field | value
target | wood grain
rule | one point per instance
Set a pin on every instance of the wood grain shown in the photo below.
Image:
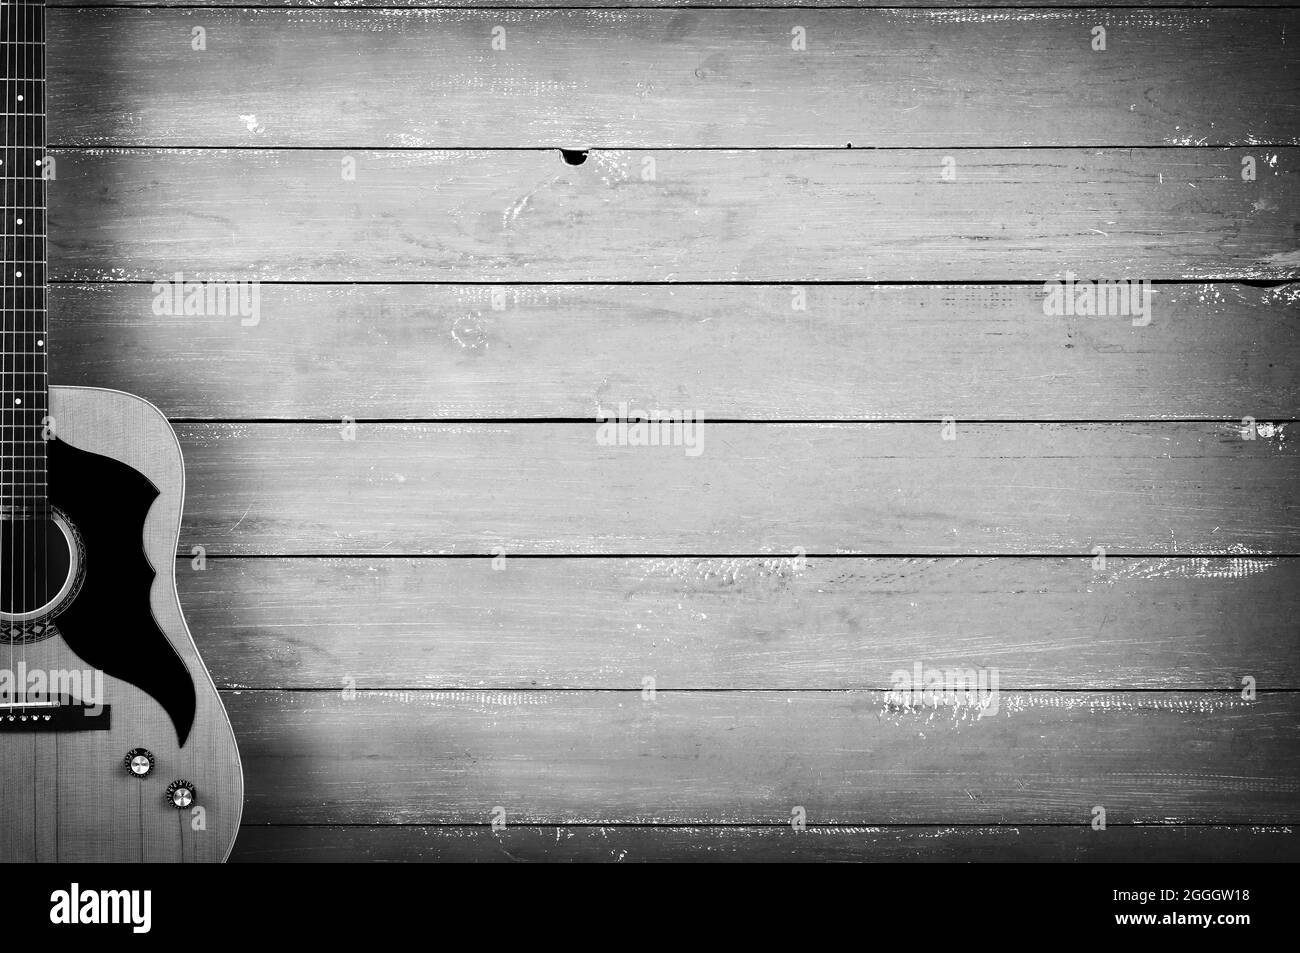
(855, 352)
(627, 844)
(672, 78)
(401, 489)
(528, 216)
(1167, 623)
(751, 757)
(667, 4)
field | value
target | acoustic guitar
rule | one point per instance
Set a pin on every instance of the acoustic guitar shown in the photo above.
(114, 745)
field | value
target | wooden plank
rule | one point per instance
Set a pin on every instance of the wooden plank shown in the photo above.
(671, 79)
(627, 844)
(752, 757)
(794, 5)
(1167, 623)
(403, 489)
(849, 215)
(739, 351)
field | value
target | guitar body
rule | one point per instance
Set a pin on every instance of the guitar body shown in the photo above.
(68, 792)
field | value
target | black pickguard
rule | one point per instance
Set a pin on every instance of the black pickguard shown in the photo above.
(110, 624)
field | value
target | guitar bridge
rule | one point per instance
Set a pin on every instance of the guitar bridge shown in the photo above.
(53, 716)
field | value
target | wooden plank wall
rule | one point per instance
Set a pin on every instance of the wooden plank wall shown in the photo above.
(433, 598)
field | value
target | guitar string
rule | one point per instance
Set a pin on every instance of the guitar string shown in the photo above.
(28, 383)
(11, 34)
(4, 355)
(32, 33)
(25, 282)
(41, 334)
(41, 350)
(32, 446)
(22, 279)
(28, 133)
(21, 195)
(22, 191)
(9, 322)
(16, 170)
(23, 399)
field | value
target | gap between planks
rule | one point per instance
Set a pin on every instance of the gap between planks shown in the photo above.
(631, 843)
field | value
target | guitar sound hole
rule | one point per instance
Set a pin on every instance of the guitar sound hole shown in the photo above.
(40, 566)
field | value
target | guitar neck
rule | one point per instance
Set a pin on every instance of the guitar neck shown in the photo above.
(24, 389)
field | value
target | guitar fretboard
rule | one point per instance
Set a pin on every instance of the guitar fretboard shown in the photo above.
(24, 392)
